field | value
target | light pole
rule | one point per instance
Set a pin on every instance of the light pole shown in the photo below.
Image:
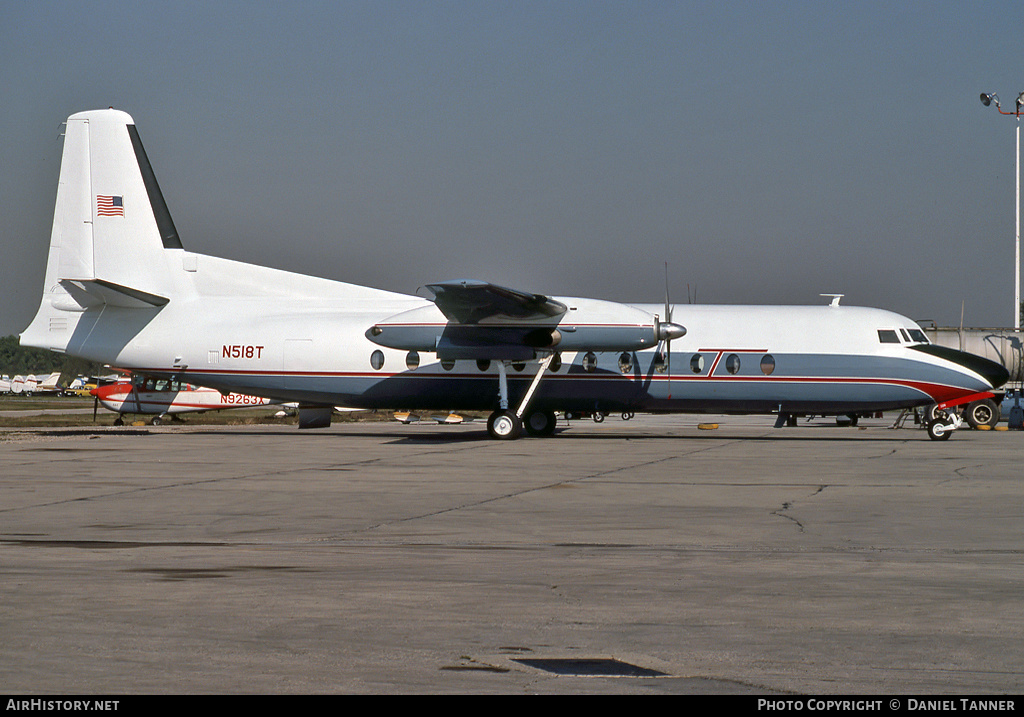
(988, 98)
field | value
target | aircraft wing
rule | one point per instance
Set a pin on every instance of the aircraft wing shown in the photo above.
(484, 321)
(470, 302)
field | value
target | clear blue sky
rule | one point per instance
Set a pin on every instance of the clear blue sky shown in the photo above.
(768, 151)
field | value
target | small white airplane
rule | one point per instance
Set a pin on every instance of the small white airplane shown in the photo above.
(120, 289)
(36, 385)
(161, 397)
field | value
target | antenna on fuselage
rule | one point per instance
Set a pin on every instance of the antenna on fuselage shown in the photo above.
(835, 298)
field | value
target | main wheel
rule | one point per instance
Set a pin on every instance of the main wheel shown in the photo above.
(939, 431)
(504, 425)
(540, 423)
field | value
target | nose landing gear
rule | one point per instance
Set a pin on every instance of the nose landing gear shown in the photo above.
(941, 424)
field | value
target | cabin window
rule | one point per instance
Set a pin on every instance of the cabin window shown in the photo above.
(377, 360)
(412, 360)
(696, 363)
(768, 364)
(732, 364)
(659, 363)
(483, 364)
(589, 362)
(447, 364)
(625, 362)
(888, 336)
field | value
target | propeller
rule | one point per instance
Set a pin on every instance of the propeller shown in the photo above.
(95, 407)
(666, 331)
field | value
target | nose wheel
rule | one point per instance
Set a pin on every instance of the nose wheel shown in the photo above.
(941, 425)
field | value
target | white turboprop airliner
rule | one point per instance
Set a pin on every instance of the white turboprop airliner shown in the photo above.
(121, 290)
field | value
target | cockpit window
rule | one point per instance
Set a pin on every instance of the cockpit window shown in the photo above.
(888, 336)
(906, 336)
(918, 335)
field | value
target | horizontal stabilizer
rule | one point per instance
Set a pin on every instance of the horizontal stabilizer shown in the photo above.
(470, 302)
(93, 292)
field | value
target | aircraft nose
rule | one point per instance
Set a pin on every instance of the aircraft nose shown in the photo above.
(105, 391)
(994, 373)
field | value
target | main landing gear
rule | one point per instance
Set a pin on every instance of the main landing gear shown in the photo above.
(508, 425)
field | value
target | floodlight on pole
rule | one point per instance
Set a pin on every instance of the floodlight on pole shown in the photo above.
(987, 98)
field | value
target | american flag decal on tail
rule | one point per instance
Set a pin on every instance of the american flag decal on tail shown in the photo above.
(109, 206)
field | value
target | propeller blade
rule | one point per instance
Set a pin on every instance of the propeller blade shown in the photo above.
(668, 309)
(95, 407)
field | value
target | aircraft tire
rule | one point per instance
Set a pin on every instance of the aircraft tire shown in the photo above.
(155, 421)
(935, 433)
(983, 413)
(504, 426)
(540, 424)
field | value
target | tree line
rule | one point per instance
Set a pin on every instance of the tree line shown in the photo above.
(18, 360)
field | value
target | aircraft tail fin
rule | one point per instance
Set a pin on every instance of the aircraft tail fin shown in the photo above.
(111, 227)
(110, 216)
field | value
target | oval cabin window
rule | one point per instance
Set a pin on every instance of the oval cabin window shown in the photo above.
(732, 364)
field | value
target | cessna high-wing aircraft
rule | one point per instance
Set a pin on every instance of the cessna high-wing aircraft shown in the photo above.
(161, 397)
(122, 290)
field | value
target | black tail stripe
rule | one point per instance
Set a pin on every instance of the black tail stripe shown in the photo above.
(164, 224)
